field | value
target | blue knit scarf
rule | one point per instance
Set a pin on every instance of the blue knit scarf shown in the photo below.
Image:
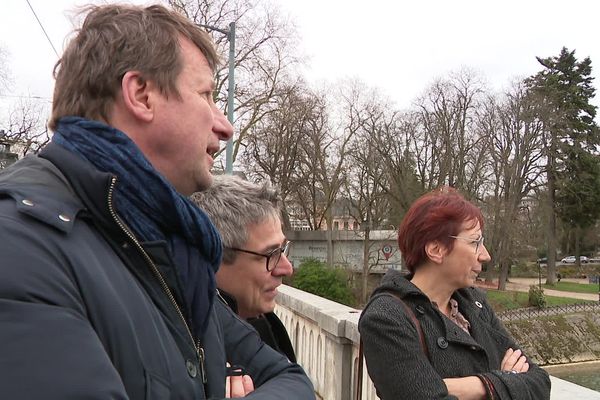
(152, 209)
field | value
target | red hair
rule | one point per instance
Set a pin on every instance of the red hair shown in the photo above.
(435, 216)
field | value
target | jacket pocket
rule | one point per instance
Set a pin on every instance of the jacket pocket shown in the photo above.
(157, 388)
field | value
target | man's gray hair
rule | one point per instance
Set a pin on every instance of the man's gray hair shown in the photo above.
(234, 204)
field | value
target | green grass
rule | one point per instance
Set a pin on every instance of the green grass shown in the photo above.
(508, 300)
(574, 287)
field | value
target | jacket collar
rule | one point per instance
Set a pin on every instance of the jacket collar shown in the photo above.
(55, 186)
(92, 186)
(397, 281)
(229, 300)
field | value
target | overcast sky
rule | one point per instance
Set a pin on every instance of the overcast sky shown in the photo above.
(397, 46)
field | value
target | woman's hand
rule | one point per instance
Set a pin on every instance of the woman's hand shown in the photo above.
(514, 361)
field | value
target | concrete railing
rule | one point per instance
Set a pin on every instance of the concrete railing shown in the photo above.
(325, 336)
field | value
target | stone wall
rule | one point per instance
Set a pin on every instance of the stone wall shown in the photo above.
(559, 339)
(347, 248)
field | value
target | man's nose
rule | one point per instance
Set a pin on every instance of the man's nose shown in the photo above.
(221, 125)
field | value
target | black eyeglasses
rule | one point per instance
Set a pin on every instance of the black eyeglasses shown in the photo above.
(272, 256)
(477, 242)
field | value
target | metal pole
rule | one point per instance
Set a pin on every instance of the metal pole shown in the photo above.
(230, 93)
(231, 89)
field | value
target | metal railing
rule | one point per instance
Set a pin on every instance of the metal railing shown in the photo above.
(535, 312)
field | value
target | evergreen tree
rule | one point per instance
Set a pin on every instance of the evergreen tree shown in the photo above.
(562, 92)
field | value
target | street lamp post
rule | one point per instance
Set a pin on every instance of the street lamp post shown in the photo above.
(230, 33)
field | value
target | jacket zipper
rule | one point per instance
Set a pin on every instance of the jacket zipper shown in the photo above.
(157, 274)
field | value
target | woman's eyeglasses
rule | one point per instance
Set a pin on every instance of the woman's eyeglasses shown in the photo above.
(476, 242)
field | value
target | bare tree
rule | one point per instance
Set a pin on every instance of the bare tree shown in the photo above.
(273, 147)
(322, 171)
(23, 132)
(26, 129)
(366, 116)
(446, 147)
(515, 153)
(393, 144)
(313, 144)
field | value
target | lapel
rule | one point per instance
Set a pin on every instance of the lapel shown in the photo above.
(471, 310)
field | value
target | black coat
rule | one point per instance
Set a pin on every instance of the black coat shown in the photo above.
(399, 367)
(84, 308)
(269, 327)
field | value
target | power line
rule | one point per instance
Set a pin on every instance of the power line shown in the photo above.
(41, 26)
(14, 96)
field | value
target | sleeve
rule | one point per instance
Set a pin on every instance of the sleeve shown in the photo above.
(531, 385)
(274, 376)
(49, 348)
(395, 360)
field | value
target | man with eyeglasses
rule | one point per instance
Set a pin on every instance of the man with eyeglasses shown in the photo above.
(254, 253)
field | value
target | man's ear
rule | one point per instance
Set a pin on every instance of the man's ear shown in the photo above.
(435, 251)
(137, 95)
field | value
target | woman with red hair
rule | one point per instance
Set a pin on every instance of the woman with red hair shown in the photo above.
(432, 335)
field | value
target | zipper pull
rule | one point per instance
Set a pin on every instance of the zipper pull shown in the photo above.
(201, 363)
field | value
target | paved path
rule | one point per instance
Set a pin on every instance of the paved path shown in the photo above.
(522, 285)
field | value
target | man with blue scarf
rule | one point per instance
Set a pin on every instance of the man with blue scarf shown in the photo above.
(107, 286)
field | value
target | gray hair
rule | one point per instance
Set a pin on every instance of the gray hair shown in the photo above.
(234, 204)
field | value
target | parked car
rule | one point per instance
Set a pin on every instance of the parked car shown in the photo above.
(571, 260)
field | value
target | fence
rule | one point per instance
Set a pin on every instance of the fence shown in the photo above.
(534, 312)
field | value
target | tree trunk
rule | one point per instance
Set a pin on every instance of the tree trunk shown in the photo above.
(365, 272)
(551, 276)
(504, 266)
(577, 249)
(285, 219)
(329, 234)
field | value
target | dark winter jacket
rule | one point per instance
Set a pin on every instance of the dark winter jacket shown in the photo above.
(88, 312)
(399, 367)
(269, 327)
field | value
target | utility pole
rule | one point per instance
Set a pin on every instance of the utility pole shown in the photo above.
(230, 33)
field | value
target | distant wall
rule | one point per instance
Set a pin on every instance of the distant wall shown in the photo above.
(347, 248)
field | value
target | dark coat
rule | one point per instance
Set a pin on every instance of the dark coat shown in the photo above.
(269, 327)
(400, 369)
(85, 310)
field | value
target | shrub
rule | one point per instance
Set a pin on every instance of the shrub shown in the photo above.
(536, 297)
(316, 277)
